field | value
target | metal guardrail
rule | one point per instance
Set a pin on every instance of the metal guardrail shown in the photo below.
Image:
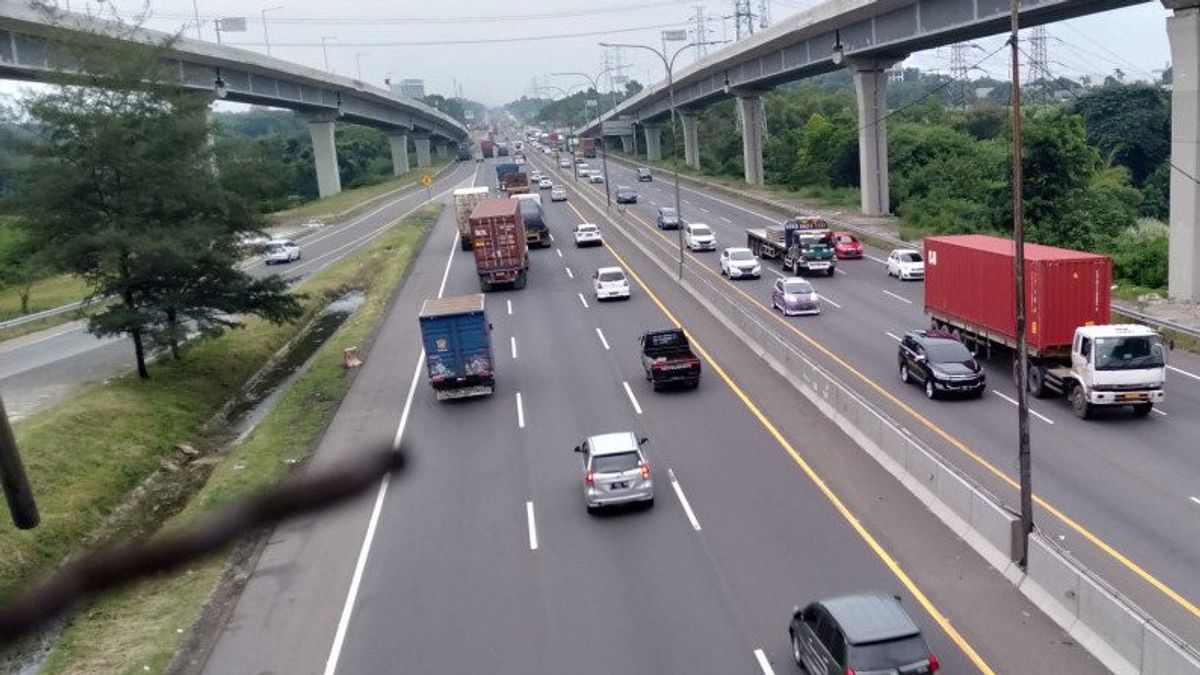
(28, 318)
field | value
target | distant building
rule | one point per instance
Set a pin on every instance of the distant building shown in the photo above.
(412, 88)
(895, 74)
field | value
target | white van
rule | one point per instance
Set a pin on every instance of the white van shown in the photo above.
(582, 170)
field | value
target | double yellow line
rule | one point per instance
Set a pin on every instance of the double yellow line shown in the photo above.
(838, 504)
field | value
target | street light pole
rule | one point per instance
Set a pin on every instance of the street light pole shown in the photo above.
(266, 36)
(603, 146)
(325, 49)
(358, 62)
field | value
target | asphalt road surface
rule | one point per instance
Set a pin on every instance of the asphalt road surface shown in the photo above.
(40, 368)
(1121, 493)
(482, 558)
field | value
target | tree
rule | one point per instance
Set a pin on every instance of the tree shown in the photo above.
(121, 189)
(1129, 123)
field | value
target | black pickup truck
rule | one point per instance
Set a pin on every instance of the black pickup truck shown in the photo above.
(668, 359)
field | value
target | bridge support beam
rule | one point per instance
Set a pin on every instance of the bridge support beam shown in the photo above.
(690, 122)
(422, 143)
(440, 149)
(1183, 264)
(870, 84)
(398, 141)
(753, 123)
(320, 127)
(629, 144)
(653, 142)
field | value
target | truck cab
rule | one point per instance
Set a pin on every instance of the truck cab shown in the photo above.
(1112, 365)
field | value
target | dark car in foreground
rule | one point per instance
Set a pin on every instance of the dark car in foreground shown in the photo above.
(668, 218)
(941, 363)
(862, 633)
(626, 195)
(644, 175)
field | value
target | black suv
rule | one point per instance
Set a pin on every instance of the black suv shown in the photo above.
(859, 633)
(668, 218)
(941, 363)
(643, 175)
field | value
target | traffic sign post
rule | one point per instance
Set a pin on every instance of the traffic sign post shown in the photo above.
(427, 180)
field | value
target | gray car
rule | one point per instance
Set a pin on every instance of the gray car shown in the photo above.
(866, 633)
(615, 471)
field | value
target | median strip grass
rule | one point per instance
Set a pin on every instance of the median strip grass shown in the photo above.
(85, 456)
(345, 201)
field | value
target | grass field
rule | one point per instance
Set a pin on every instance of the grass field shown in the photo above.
(347, 199)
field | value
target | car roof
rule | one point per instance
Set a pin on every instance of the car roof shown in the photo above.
(587, 225)
(281, 241)
(906, 250)
(610, 269)
(737, 249)
(794, 280)
(928, 338)
(611, 444)
(698, 225)
(870, 617)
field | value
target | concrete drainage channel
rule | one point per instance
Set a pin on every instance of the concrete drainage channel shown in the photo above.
(1114, 630)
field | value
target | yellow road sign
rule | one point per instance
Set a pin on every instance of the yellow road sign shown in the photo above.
(426, 180)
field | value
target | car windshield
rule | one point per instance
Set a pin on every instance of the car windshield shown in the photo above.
(612, 276)
(741, 255)
(947, 351)
(911, 256)
(797, 287)
(701, 231)
(667, 214)
(274, 248)
(846, 239)
(888, 655)
(621, 461)
(586, 228)
(1127, 353)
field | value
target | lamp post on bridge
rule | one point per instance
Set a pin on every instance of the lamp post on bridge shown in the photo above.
(603, 146)
(266, 35)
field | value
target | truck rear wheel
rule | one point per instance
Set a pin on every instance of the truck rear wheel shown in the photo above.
(465, 243)
(1037, 381)
(1142, 409)
(484, 285)
(1079, 403)
(520, 281)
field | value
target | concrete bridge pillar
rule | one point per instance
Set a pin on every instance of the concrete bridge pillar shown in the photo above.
(653, 142)
(690, 122)
(398, 140)
(1183, 264)
(440, 149)
(870, 84)
(753, 124)
(422, 143)
(320, 127)
(629, 144)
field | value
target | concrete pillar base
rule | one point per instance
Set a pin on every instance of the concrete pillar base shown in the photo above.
(399, 146)
(753, 125)
(653, 143)
(691, 139)
(870, 85)
(1183, 264)
(321, 128)
(629, 144)
(422, 151)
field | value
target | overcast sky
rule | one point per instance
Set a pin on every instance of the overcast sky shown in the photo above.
(470, 43)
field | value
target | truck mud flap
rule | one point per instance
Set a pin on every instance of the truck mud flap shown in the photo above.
(464, 392)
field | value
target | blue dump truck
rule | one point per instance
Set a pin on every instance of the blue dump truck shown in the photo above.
(458, 346)
(503, 169)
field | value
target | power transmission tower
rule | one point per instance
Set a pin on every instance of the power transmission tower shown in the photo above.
(958, 71)
(764, 13)
(1039, 56)
(743, 18)
(701, 32)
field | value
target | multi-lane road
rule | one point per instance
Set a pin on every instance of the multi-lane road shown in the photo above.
(482, 558)
(1122, 494)
(43, 367)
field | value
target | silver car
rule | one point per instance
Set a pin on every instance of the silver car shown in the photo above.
(615, 471)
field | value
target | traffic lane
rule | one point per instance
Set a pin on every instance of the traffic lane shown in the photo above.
(944, 566)
(29, 389)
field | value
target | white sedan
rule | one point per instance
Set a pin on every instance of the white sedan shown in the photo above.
(738, 263)
(596, 177)
(587, 234)
(280, 251)
(610, 282)
(558, 194)
(699, 237)
(545, 184)
(906, 263)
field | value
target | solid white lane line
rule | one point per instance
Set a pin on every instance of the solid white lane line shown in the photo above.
(683, 501)
(583, 301)
(1184, 373)
(513, 340)
(569, 272)
(825, 298)
(1195, 499)
(532, 526)
(776, 272)
(1013, 401)
(509, 303)
(1159, 412)
(602, 340)
(901, 298)
(339, 636)
(763, 663)
(520, 412)
(894, 337)
(840, 270)
(632, 399)
(558, 251)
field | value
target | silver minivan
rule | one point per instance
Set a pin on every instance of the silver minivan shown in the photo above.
(615, 471)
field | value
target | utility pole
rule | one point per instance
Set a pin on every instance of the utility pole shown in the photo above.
(1022, 365)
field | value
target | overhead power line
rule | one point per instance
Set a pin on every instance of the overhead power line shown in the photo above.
(472, 41)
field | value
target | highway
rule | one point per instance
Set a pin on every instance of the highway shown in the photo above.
(482, 558)
(43, 367)
(1122, 494)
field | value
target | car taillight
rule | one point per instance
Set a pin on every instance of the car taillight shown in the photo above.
(590, 479)
(849, 671)
(933, 664)
(645, 470)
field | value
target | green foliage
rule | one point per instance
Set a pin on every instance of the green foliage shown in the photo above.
(826, 152)
(1129, 123)
(1156, 195)
(1139, 254)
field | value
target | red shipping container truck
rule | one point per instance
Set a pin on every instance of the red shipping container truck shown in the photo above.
(498, 237)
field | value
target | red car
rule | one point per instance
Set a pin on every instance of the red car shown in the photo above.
(846, 245)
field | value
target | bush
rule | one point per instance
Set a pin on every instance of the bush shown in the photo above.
(1139, 254)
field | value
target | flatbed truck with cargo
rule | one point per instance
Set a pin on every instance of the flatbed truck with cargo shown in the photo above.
(803, 245)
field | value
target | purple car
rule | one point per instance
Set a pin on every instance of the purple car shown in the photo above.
(795, 296)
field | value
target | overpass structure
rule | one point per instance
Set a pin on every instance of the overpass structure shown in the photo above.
(28, 52)
(868, 37)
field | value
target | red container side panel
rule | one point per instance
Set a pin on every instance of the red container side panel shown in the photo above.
(970, 279)
(498, 232)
